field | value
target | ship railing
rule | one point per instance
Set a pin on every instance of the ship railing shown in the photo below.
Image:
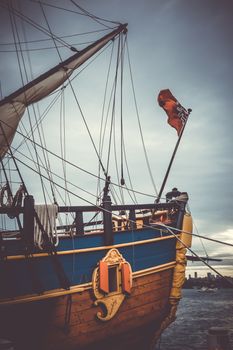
(131, 213)
(114, 217)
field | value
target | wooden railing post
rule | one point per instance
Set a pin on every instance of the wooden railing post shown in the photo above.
(132, 219)
(28, 221)
(79, 226)
(107, 219)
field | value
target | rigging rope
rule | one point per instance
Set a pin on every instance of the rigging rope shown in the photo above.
(200, 240)
(34, 24)
(63, 150)
(49, 47)
(10, 195)
(15, 163)
(54, 38)
(118, 66)
(50, 31)
(1, 95)
(113, 108)
(88, 130)
(37, 127)
(74, 165)
(62, 37)
(169, 229)
(95, 18)
(77, 100)
(147, 226)
(197, 256)
(62, 95)
(129, 190)
(41, 118)
(102, 132)
(139, 124)
(14, 28)
(121, 116)
(46, 178)
(204, 237)
(79, 13)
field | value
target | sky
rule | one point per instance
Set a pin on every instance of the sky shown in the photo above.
(183, 45)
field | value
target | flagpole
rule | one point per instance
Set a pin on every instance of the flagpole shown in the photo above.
(171, 161)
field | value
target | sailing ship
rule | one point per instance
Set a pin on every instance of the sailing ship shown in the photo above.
(102, 274)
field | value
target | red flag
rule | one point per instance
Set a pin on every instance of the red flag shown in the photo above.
(177, 114)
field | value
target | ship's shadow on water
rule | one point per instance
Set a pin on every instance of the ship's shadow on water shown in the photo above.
(197, 312)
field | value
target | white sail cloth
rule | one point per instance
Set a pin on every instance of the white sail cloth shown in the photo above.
(11, 112)
(13, 107)
(47, 215)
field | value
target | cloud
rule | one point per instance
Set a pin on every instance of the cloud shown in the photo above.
(215, 249)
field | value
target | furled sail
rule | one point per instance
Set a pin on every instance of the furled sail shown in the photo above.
(13, 107)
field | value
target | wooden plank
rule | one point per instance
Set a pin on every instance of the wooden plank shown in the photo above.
(148, 300)
(141, 280)
(146, 314)
(78, 289)
(153, 277)
(79, 316)
(129, 305)
(84, 301)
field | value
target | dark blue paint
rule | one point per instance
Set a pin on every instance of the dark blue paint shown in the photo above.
(17, 274)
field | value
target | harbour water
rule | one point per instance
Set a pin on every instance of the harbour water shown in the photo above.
(198, 311)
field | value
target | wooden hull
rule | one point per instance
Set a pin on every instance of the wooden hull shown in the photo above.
(70, 322)
(119, 296)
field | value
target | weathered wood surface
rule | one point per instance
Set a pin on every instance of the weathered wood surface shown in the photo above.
(70, 322)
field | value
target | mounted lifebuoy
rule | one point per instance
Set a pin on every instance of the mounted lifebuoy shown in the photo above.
(111, 281)
(115, 277)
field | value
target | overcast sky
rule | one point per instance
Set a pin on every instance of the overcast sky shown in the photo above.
(186, 46)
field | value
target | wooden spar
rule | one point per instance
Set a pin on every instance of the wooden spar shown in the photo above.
(107, 215)
(13, 106)
(171, 161)
(194, 258)
(96, 46)
(28, 221)
(107, 218)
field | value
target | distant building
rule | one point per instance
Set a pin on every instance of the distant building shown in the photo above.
(210, 276)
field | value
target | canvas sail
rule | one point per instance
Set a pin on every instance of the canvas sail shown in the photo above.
(13, 107)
